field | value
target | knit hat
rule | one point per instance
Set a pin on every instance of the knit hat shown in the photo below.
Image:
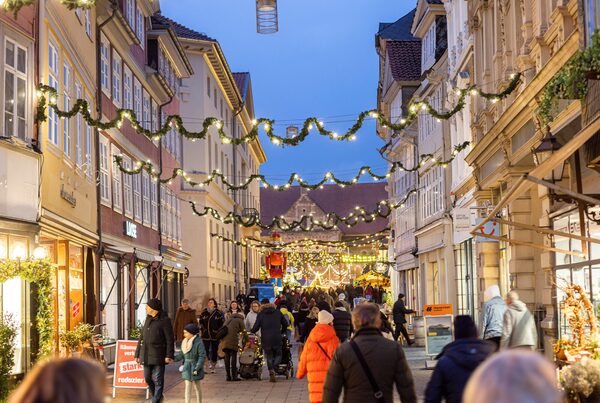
(191, 328)
(324, 318)
(155, 304)
(341, 297)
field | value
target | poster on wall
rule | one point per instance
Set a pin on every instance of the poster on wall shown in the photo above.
(438, 327)
(128, 373)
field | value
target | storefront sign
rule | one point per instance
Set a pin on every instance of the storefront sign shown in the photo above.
(489, 228)
(437, 310)
(128, 373)
(69, 197)
(463, 220)
(130, 229)
(75, 309)
(438, 333)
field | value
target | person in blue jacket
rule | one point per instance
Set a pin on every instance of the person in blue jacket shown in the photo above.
(492, 316)
(193, 355)
(457, 361)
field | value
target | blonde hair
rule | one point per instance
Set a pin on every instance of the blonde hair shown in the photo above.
(68, 380)
(514, 376)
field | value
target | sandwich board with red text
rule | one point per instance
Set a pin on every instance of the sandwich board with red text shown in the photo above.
(128, 373)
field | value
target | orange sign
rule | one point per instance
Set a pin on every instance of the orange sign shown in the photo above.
(437, 310)
(128, 373)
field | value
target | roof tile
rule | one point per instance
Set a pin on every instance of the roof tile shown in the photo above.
(181, 30)
(405, 60)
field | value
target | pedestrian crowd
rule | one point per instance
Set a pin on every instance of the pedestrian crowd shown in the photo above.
(344, 350)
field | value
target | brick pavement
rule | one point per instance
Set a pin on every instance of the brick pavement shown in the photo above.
(216, 390)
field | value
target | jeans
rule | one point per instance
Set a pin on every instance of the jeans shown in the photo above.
(188, 391)
(401, 329)
(154, 375)
(211, 347)
(273, 355)
(288, 333)
(231, 363)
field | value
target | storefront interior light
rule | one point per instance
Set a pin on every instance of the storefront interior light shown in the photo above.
(18, 251)
(2, 250)
(40, 253)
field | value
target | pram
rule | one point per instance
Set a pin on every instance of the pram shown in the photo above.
(251, 357)
(286, 367)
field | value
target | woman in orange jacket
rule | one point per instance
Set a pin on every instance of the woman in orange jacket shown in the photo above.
(316, 355)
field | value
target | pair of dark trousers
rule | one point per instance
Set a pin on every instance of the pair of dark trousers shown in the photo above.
(154, 375)
(496, 342)
(273, 355)
(211, 347)
(231, 363)
(401, 329)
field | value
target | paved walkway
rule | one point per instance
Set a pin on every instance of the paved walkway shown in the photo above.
(215, 389)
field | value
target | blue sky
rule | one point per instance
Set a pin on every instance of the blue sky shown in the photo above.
(321, 63)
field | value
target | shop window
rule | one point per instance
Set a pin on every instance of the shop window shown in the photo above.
(109, 296)
(141, 295)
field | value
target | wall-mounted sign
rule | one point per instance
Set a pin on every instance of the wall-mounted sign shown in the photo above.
(130, 229)
(69, 197)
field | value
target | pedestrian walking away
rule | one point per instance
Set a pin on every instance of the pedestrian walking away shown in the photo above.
(193, 355)
(155, 348)
(290, 319)
(457, 361)
(62, 381)
(399, 312)
(272, 325)
(368, 367)
(342, 321)
(518, 327)
(211, 320)
(342, 298)
(316, 355)
(514, 376)
(492, 315)
(311, 321)
(185, 315)
(231, 344)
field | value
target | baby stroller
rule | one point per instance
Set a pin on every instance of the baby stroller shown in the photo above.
(251, 357)
(286, 367)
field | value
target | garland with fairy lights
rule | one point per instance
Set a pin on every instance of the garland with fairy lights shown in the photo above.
(48, 96)
(395, 166)
(307, 223)
(252, 242)
(15, 6)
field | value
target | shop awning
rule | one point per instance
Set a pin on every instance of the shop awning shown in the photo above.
(526, 181)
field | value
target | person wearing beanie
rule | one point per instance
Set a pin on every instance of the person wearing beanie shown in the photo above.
(155, 347)
(193, 355)
(342, 299)
(316, 355)
(457, 361)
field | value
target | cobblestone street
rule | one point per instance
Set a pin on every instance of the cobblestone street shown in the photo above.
(216, 390)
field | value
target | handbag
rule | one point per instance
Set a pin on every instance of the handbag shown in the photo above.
(377, 393)
(222, 332)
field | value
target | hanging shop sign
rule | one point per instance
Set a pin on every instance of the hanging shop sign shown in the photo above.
(488, 228)
(128, 373)
(130, 229)
(463, 221)
(438, 321)
(359, 258)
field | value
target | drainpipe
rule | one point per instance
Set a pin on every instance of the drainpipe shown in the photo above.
(100, 248)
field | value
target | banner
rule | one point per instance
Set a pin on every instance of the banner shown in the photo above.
(128, 373)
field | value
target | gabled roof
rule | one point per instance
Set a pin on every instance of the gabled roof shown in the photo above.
(405, 59)
(241, 81)
(181, 30)
(399, 30)
(332, 198)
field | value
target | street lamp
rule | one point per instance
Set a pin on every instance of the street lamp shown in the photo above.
(544, 151)
(266, 16)
(291, 131)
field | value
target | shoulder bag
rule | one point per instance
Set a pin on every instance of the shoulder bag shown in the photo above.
(377, 393)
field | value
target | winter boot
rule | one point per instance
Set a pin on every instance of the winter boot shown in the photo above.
(272, 376)
(234, 374)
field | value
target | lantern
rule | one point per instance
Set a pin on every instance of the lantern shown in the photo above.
(547, 147)
(266, 16)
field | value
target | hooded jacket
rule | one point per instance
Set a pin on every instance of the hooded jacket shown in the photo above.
(288, 316)
(386, 361)
(271, 324)
(457, 361)
(235, 325)
(519, 327)
(493, 313)
(193, 361)
(315, 362)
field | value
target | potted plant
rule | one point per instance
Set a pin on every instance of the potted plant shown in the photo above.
(135, 332)
(72, 340)
(8, 333)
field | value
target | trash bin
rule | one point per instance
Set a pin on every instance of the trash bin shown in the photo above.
(419, 331)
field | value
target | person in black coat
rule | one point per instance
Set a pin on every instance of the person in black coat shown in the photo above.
(211, 320)
(272, 324)
(457, 361)
(342, 322)
(399, 312)
(155, 348)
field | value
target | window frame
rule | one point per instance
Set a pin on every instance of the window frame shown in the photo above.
(146, 199)
(117, 180)
(104, 175)
(140, 26)
(127, 87)
(105, 63)
(79, 141)
(67, 135)
(17, 75)
(117, 78)
(53, 122)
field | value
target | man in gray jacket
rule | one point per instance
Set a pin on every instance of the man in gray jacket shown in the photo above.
(492, 316)
(519, 329)
(369, 365)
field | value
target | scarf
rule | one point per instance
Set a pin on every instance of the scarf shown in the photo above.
(186, 344)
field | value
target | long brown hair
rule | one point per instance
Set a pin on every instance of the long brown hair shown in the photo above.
(69, 380)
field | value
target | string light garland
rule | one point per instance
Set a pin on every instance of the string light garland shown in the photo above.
(307, 223)
(15, 6)
(425, 106)
(329, 177)
(49, 96)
